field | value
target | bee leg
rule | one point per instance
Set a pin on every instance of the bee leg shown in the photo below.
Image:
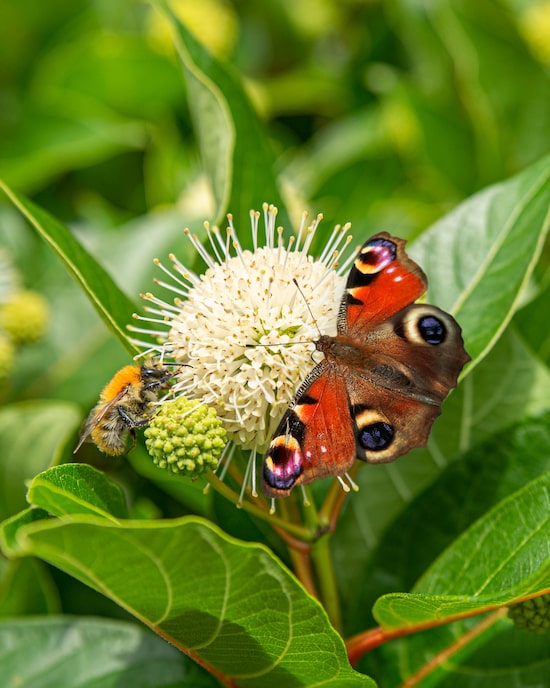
(129, 420)
(134, 440)
(126, 418)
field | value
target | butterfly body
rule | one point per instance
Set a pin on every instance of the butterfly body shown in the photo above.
(382, 381)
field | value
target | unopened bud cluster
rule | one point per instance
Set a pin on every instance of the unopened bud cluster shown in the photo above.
(532, 615)
(185, 437)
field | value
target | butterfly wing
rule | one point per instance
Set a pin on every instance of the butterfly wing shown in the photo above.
(382, 281)
(385, 375)
(315, 436)
(412, 362)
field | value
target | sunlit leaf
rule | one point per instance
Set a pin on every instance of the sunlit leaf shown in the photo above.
(235, 151)
(110, 302)
(480, 256)
(503, 557)
(228, 604)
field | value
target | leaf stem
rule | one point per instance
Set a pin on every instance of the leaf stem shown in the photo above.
(324, 568)
(300, 552)
(364, 642)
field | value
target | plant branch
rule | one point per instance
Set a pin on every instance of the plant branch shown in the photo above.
(443, 656)
(364, 642)
(334, 501)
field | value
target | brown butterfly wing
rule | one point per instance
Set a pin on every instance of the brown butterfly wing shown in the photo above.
(412, 362)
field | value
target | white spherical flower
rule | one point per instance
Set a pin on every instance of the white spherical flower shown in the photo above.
(243, 329)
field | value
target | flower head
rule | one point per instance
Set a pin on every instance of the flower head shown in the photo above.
(243, 329)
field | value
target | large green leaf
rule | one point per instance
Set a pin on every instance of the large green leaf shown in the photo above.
(503, 557)
(229, 605)
(465, 491)
(235, 151)
(114, 307)
(480, 256)
(71, 652)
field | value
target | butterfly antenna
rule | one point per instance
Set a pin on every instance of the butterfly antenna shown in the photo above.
(343, 483)
(307, 305)
(354, 486)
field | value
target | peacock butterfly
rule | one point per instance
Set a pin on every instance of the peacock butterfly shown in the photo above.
(381, 384)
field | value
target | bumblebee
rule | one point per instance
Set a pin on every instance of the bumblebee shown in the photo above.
(124, 404)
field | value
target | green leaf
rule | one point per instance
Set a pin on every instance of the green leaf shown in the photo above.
(71, 652)
(77, 488)
(48, 144)
(480, 256)
(503, 557)
(529, 320)
(229, 605)
(32, 437)
(114, 307)
(465, 491)
(26, 587)
(11, 526)
(235, 150)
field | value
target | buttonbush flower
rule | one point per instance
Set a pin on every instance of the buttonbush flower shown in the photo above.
(23, 316)
(242, 331)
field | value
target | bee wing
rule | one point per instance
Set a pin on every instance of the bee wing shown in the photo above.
(96, 416)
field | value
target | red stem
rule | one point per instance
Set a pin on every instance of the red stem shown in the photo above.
(443, 656)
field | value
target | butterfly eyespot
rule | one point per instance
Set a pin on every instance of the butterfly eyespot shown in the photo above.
(283, 463)
(432, 330)
(376, 437)
(375, 256)
(374, 431)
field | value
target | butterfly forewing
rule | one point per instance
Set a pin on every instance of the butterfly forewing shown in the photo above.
(317, 426)
(382, 281)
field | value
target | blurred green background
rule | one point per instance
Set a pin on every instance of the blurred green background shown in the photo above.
(385, 114)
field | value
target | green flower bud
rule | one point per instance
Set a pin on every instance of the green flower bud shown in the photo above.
(185, 437)
(24, 316)
(7, 356)
(532, 615)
